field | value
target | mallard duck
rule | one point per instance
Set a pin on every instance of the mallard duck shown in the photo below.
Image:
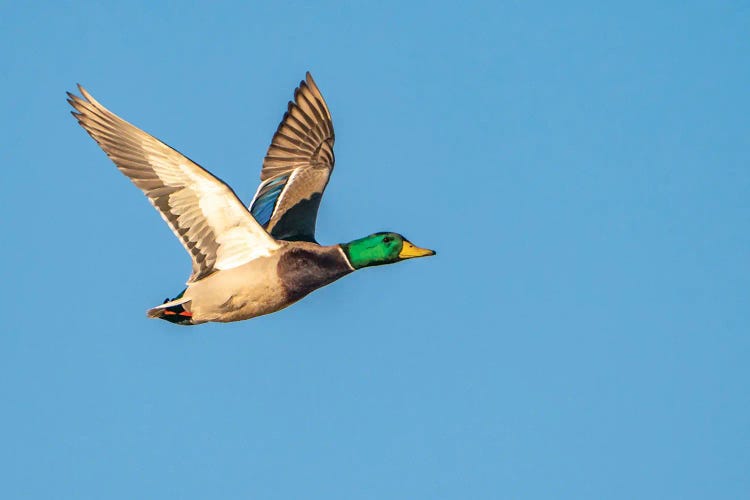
(247, 261)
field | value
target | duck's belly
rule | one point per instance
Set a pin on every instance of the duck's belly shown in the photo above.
(234, 296)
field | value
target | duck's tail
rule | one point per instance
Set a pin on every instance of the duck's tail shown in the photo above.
(173, 311)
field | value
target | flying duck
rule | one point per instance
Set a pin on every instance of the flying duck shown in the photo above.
(247, 261)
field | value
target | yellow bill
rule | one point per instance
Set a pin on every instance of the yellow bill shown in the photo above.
(409, 251)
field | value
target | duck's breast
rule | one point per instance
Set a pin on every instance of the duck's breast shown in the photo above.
(305, 268)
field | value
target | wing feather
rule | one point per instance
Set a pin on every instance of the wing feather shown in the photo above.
(297, 167)
(203, 212)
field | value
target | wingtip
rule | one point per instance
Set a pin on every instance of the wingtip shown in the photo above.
(86, 94)
(312, 85)
(72, 96)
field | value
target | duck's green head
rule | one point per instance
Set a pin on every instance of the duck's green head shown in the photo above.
(382, 248)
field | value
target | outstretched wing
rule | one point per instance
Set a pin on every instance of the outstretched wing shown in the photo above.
(204, 213)
(297, 167)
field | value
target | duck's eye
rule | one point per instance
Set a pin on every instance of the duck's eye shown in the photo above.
(387, 239)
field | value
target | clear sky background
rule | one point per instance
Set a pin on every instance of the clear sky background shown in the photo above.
(584, 332)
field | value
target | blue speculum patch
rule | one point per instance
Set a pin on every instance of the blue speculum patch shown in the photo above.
(265, 203)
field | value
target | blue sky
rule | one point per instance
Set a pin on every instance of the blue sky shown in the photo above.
(581, 169)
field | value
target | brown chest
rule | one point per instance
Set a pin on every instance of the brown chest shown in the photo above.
(304, 270)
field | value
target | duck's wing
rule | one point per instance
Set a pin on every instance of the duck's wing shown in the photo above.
(204, 213)
(296, 168)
